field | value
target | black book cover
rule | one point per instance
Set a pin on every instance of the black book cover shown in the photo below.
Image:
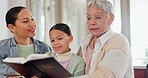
(42, 68)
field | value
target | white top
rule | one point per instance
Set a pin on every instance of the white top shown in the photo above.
(113, 64)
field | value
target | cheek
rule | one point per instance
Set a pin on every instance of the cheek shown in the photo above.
(65, 43)
(52, 44)
(18, 30)
(102, 23)
(21, 28)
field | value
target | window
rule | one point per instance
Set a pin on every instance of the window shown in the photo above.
(37, 9)
(139, 30)
(74, 16)
(44, 14)
(116, 26)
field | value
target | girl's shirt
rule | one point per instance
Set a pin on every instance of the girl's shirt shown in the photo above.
(72, 62)
(63, 59)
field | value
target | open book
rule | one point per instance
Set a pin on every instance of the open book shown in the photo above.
(40, 65)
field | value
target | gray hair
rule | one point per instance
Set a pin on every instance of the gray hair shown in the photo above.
(104, 4)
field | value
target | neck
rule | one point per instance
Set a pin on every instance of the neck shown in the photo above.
(22, 41)
(65, 56)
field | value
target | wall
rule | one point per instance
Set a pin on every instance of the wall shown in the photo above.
(5, 5)
(3, 9)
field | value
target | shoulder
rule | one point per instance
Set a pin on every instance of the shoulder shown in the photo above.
(50, 54)
(86, 40)
(41, 45)
(6, 42)
(38, 42)
(118, 41)
(77, 58)
(119, 37)
(5, 48)
(77, 63)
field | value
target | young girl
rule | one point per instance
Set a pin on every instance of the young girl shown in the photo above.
(61, 37)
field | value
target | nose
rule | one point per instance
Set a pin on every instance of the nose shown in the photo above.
(56, 42)
(91, 21)
(32, 23)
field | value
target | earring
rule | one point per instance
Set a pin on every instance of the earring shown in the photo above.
(12, 31)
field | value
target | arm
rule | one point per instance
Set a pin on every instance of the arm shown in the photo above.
(80, 68)
(113, 65)
(7, 72)
(2, 69)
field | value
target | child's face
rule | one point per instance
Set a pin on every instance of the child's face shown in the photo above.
(60, 41)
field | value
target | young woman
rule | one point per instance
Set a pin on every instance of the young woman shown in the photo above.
(21, 23)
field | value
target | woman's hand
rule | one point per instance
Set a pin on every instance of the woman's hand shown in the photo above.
(15, 77)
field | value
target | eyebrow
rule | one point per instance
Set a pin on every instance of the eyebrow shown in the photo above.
(94, 14)
(27, 18)
(57, 36)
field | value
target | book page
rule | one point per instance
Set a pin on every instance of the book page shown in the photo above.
(19, 60)
(22, 60)
(36, 56)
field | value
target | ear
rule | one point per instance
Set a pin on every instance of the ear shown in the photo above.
(111, 19)
(11, 27)
(71, 38)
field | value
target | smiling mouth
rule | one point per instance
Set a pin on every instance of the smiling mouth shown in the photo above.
(32, 30)
(57, 48)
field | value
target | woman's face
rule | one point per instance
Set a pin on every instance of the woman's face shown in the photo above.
(98, 21)
(60, 41)
(24, 26)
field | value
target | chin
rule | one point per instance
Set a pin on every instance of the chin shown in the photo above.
(60, 52)
(32, 35)
(95, 34)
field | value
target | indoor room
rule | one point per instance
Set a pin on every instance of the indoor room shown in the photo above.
(130, 20)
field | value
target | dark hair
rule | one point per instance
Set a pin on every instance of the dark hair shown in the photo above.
(11, 15)
(62, 27)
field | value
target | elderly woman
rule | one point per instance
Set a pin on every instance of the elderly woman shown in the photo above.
(107, 54)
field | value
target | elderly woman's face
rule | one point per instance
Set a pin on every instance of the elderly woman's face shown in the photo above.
(98, 21)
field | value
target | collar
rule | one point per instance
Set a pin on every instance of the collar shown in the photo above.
(106, 36)
(64, 56)
(13, 42)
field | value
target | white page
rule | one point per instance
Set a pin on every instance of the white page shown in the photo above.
(22, 60)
